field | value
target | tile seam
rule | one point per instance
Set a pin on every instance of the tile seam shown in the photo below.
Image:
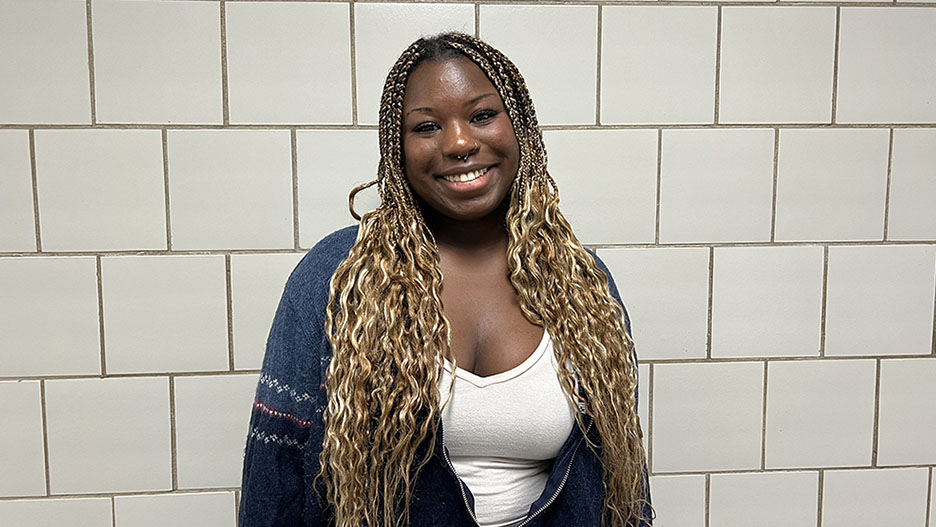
(98, 272)
(599, 43)
(929, 499)
(353, 59)
(933, 346)
(229, 306)
(113, 511)
(708, 499)
(225, 101)
(763, 451)
(150, 375)
(711, 290)
(165, 159)
(91, 90)
(823, 308)
(820, 498)
(887, 187)
(650, 420)
(783, 470)
(876, 421)
(659, 185)
(477, 20)
(35, 189)
(124, 494)
(773, 200)
(718, 52)
(45, 437)
(294, 167)
(237, 494)
(835, 63)
(173, 457)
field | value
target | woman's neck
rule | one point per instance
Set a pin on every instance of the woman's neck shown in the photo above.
(479, 238)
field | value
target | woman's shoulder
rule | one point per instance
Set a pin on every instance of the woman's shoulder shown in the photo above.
(309, 281)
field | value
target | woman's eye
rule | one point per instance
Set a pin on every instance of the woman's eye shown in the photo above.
(484, 116)
(424, 128)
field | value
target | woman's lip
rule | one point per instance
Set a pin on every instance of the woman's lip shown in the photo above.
(468, 186)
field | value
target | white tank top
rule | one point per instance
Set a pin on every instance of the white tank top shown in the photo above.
(503, 432)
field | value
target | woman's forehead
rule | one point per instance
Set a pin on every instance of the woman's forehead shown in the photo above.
(450, 78)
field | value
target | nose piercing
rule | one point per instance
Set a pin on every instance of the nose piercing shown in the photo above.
(473, 150)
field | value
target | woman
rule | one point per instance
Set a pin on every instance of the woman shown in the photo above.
(399, 386)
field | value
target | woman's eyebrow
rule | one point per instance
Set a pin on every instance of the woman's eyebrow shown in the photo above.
(474, 100)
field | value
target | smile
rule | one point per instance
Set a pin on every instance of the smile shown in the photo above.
(467, 176)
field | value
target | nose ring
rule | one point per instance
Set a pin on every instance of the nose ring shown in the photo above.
(465, 157)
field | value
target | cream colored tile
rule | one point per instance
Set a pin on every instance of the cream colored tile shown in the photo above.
(383, 30)
(718, 405)
(907, 422)
(880, 300)
(820, 413)
(831, 184)
(760, 294)
(80, 512)
(289, 62)
(716, 185)
(679, 501)
(643, 402)
(21, 440)
(607, 182)
(666, 294)
(212, 414)
(774, 499)
(164, 313)
(886, 70)
(230, 189)
(776, 64)
(45, 48)
(108, 435)
(100, 190)
(658, 64)
(913, 186)
(560, 73)
(16, 197)
(871, 498)
(157, 62)
(48, 317)
(204, 509)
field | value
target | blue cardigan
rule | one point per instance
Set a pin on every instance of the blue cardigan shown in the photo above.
(286, 428)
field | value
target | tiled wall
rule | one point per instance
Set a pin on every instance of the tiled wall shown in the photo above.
(760, 177)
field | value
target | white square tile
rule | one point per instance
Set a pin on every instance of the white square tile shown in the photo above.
(212, 415)
(658, 64)
(872, 498)
(775, 499)
(718, 405)
(381, 33)
(679, 501)
(45, 48)
(289, 62)
(566, 98)
(21, 440)
(907, 420)
(164, 313)
(716, 185)
(759, 294)
(81, 512)
(886, 70)
(912, 215)
(256, 286)
(230, 189)
(776, 65)
(100, 190)
(108, 435)
(643, 403)
(330, 163)
(666, 293)
(16, 197)
(880, 300)
(203, 509)
(820, 413)
(607, 182)
(48, 317)
(831, 184)
(157, 62)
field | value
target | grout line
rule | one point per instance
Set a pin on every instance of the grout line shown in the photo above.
(91, 91)
(293, 153)
(215, 373)
(237, 494)
(708, 322)
(35, 188)
(819, 505)
(887, 192)
(134, 493)
(659, 181)
(718, 46)
(230, 320)
(225, 106)
(598, 72)
(45, 437)
(650, 421)
(877, 413)
(929, 499)
(835, 63)
(100, 306)
(477, 20)
(708, 495)
(351, 36)
(933, 347)
(165, 159)
(172, 434)
(113, 511)
(825, 296)
(763, 464)
(776, 170)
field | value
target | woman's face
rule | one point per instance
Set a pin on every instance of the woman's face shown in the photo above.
(459, 148)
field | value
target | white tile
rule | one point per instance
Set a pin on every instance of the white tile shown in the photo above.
(607, 182)
(679, 501)
(81, 512)
(820, 413)
(48, 317)
(566, 98)
(21, 440)
(212, 415)
(164, 313)
(100, 190)
(913, 186)
(759, 294)
(831, 184)
(108, 435)
(381, 33)
(45, 48)
(886, 70)
(256, 286)
(666, 294)
(775, 499)
(330, 163)
(871, 498)
(907, 422)
(157, 62)
(716, 185)
(643, 402)
(230, 189)
(289, 63)
(658, 64)
(203, 509)
(776, 65)
(880, 300)
(16, 197)
(717, 405)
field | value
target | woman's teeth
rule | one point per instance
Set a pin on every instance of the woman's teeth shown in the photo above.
(468, 176)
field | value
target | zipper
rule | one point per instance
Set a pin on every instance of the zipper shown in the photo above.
(461, 485)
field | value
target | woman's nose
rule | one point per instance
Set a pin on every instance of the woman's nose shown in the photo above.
(459, 142)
